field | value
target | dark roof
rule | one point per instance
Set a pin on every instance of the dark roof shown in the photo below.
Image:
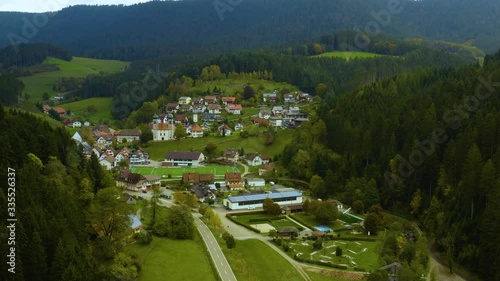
(287, 229)
(201, 191)
(183, 155)
(235, 176)
(197, 178)
(129, 132)
(129, 177)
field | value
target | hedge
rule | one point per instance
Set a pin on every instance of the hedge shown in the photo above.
(230, 217)
(324, 263)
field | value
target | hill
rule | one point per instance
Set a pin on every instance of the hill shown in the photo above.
(96, 110)
(167, 28)
(43, 82)
(347, 55)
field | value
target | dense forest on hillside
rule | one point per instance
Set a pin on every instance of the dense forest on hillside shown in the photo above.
(165, 28)
(10, 89)
(425, 143)
(26, 55)
(60, 200)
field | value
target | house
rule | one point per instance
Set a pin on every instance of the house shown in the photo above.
(304, 97)
(265, 113)
(290, 209)
(260, 122)
(238, 127)
(294, 110)
(252, 201)
(162, 118)
(268, 167)
(256, 182)
(135, 223)
(130, 199)
(210, 117)
(61, 111)
(183, 159)
(86, 124)
(172, 107)
(276, 122)
(214, 108)
(270, 97)
(194, 178)
(186, 108)
(254, 159)
(197, 100)
(277, 110)
(199, 108)
(228, 100)
(196, 131)
(163, 131)
(234, 181)
(234, 108)
(210, 100)
(288, 98)
(46, 108)
(287, 231)
(184, 100)
(130, 135)
(108, 162)
(179, 118)
(130, 181)
(203, 192)
(152, 181)
(231, 155)
(75, 123)
(225, 130)
(77, 137)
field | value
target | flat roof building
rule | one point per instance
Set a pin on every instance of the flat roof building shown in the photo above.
(252, 201)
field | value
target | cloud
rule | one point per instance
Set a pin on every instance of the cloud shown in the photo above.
(55, 5)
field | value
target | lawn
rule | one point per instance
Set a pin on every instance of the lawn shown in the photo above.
(310, 220)
(347, 55)
(166, 259)
(218, 171)
(330, 275)
(37, 84)
(233, 86)
(254, 260)
(102, 107)
(361, 254)
(157, 150)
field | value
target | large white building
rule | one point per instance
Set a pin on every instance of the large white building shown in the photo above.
(253, 201)
(162, 128)
(183, 159)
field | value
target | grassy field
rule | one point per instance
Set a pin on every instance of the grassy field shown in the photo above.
(79, 108)
(233, 86)
(332, 275)
(177, 172)
(37, 84)
(254, 260)
(166, 259)
(245, 219)
(311, 220)
(347, 55)
(362, 254)
(157, 150)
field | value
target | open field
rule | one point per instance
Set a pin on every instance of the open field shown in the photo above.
(37, 84)
(166, 259)
(347, 55)
(233, 86)
(361, 254)
(79, 108)
(245, 219)
(157, 150)
(218, 171)
(310, 220)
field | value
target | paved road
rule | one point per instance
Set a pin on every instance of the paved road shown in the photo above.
(220, 261)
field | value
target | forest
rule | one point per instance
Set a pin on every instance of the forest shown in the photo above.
(25, 55)
(424, 144)
(171, 28)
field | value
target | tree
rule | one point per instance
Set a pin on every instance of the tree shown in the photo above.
(179, 132)
(318, 244)
(248, 92)
(45, 96)
(210, 150)
(372, 223)
(146, 133)
(338, 251)
(230, 242)
(326, 212)
(378, 275)
(273, 233)
(318, 187)
(155, 204)
(416, 203)
(181, 223)
(358, 206)
(267, 204)
(123, 268)
(123, 164)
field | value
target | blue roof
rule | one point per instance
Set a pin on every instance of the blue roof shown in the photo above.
(135, 221)
(255, 197)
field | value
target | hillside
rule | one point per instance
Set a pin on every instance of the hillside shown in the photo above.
(167, 28)
(43, 82)
(347, 55)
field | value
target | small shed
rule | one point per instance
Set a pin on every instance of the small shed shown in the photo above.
(287, 231)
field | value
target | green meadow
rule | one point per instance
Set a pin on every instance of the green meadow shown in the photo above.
(101, 109)
(37, 84)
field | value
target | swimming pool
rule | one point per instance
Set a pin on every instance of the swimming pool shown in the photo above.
(323, 228)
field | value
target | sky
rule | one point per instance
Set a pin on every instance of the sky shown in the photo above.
(55, 5)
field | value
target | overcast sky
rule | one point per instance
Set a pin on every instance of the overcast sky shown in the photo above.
(55, 5)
